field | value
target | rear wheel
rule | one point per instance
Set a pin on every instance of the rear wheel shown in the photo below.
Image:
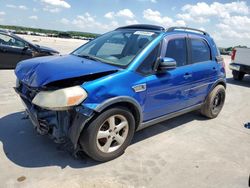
(237, 75)
(214, 102)
(108, 135)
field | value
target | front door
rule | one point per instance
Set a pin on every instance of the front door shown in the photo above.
(168, 92)
(12, 51)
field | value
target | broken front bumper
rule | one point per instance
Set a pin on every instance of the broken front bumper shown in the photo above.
(59, 125)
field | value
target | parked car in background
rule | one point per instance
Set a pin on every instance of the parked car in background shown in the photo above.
(14, 49)
(121, 82)
(225, 51)
(240, 64)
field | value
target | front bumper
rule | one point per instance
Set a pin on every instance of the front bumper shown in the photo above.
(61, 126)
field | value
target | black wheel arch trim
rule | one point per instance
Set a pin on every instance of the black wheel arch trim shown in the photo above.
(121, 99)
(221, 81)
(84, 115)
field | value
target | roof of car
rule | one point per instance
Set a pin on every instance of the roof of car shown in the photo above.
(3, 31)
(143, 26)
(162, 29)
(7, 32)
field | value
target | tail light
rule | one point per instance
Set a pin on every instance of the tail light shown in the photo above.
(221, 61)
(233, 54)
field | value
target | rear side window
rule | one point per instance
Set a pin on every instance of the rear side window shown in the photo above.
(10, 41)
(177, 49)
(200, 51)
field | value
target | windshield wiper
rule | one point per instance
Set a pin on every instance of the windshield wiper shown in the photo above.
(91, 58)
(87, 57)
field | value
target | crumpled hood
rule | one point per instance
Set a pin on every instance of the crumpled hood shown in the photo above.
(40, 71)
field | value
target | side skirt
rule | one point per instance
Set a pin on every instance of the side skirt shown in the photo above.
(168, 116)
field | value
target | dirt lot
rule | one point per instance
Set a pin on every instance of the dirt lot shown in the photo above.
(185, 152)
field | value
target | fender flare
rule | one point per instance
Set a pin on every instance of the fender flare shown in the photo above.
(85, 115)
(120, 99)
(221, 81)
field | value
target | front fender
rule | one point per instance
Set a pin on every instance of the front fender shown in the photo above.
(85, 114)
(119, 99)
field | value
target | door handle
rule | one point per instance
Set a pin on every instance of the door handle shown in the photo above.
(187, 75)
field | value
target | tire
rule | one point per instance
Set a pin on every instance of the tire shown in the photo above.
(214, 102)
(109, 135)
(237, 75)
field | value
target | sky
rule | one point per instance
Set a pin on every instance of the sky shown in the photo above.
(228, 22)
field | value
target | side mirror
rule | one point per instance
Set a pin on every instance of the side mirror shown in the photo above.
(26, 47)
(167, 63)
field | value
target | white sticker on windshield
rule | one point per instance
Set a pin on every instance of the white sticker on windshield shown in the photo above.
(145, 33)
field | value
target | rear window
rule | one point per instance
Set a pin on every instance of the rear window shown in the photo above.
(200, 51)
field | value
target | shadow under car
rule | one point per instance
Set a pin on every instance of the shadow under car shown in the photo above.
(245, 82)
(26, 148)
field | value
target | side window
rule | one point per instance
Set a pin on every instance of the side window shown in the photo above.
(10, 41)
(177, 49)
(4, 39)
(147, 67)
(200, 51)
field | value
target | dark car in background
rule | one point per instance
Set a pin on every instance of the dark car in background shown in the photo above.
(14, 49)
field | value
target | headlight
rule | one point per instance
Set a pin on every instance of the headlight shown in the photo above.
(60, 99)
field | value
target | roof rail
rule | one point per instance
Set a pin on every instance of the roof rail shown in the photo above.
(187, 29)
(143, 26)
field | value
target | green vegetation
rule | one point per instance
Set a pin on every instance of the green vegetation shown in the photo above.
(20, 29)
(227, 51)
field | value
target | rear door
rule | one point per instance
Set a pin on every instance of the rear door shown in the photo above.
(204, 66)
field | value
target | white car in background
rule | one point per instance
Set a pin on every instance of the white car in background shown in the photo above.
(240, 63)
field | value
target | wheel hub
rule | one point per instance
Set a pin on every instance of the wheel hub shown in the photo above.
(217, 102)
(112, 133)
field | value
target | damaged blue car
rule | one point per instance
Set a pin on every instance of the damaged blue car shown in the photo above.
(123, 81)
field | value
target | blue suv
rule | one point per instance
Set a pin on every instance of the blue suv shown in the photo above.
(123, 81)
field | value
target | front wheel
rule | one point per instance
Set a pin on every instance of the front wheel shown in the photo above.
(214, 102)
(108, 135)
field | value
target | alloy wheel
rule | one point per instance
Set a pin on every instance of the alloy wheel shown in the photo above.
(112, 133)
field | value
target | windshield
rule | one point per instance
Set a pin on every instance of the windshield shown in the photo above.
(117, 47)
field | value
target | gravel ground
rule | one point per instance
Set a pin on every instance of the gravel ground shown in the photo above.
(187, 151)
